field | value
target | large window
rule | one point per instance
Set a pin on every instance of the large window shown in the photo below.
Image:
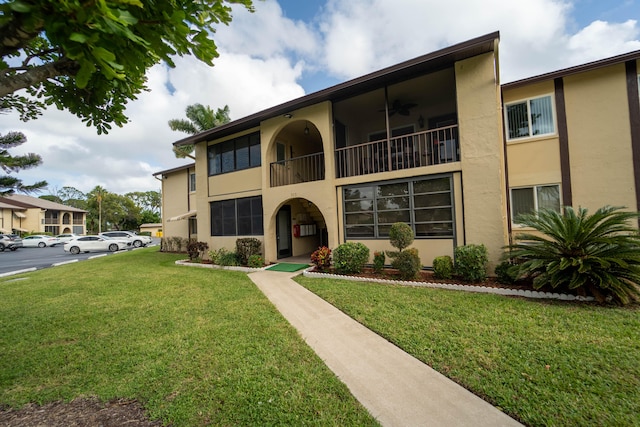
(237, 217)
(235, 154)
(532, 117)
(528, 200)
(425, 203)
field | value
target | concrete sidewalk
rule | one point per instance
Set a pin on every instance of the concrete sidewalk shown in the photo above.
(396, 388)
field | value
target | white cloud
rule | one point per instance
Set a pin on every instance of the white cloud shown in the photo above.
(264, 56)
(601, 39)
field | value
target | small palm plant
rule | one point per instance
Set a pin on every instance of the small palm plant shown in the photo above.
(598, 253)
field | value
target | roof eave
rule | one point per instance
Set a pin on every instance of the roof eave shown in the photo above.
(433, 60)
(589, 66)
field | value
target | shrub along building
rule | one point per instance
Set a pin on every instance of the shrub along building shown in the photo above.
(426, 142)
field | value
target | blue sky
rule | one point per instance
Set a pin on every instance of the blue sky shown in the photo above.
(289, 48)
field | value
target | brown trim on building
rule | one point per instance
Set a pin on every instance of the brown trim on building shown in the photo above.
(563, 136)
(575, 70)
(430, 62)
(634, 120)
(506, 172)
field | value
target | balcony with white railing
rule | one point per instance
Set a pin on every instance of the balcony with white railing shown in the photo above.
(297, 170)
(431, 147)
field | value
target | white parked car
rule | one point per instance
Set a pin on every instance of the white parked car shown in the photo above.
(39, 241)
(136, 239)
(94, 244)
(66, 237)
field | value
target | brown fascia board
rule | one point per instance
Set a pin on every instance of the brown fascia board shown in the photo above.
(177, 169)
(6, 205)
(46, 204)
(430, 62)
(17, 203)
(589, 66)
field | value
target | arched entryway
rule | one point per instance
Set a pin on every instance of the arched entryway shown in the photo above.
(297, 155)
(300, 228)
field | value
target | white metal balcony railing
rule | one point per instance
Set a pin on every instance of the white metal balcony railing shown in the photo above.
(435, 146)
(432, 147)
(299, 169)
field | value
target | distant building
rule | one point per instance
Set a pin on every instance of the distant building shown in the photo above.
(25, 214)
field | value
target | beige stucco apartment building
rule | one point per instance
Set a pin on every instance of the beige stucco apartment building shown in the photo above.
(20, 213)
(435, 142)
(573, 137)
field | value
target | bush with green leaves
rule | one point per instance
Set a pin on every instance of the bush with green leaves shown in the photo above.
(245, 247)
(255, 261)
(401, 236)
(350, 257)
(229, 259)
(378, 261)
(407, 263)
(223, 256)
(196, 249)
(471, 262)
(443, 267)
(597, 254)
(173, 244)
(321, 258)
(506, 273)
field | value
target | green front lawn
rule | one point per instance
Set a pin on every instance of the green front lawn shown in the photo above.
(195, 346)
(544, 363)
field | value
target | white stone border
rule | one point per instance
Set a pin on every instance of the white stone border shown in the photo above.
(186, 262)
(455, 287)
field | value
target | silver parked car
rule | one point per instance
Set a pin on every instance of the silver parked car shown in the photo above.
(10, 241)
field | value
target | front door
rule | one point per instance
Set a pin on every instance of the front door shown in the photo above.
(283, 232)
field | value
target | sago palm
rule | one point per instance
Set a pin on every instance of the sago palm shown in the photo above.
(599, 253)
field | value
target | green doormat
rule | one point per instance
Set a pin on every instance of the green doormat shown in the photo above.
(289, 267)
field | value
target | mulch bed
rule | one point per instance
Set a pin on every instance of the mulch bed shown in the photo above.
(428, 277)
(81, 412)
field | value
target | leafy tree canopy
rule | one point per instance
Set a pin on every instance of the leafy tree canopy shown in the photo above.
(11, 184)
(199, 119)
(91, 57)
(146, 200)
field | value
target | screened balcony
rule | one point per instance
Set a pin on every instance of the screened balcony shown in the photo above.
(431, 147)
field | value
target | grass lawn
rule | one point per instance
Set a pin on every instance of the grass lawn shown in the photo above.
(194, 346)
(544, 363)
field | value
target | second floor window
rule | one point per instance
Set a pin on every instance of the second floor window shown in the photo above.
(192, 182)
(531, 117)
(235, 154)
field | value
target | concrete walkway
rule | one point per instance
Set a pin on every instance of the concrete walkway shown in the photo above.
(396, 388)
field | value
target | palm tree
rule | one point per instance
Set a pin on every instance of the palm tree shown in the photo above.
(200, 118)
(599, 253)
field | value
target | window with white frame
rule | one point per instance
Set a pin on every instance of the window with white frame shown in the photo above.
(526, 200)
(192, 182)
(531, 117)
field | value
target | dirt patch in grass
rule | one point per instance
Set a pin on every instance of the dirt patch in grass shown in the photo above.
(81, 412)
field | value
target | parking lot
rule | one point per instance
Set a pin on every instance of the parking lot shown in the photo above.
(37, 258)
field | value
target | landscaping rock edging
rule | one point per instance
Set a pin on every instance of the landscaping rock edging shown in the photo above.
(456, 287)
(219, 267)
(451, 286)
